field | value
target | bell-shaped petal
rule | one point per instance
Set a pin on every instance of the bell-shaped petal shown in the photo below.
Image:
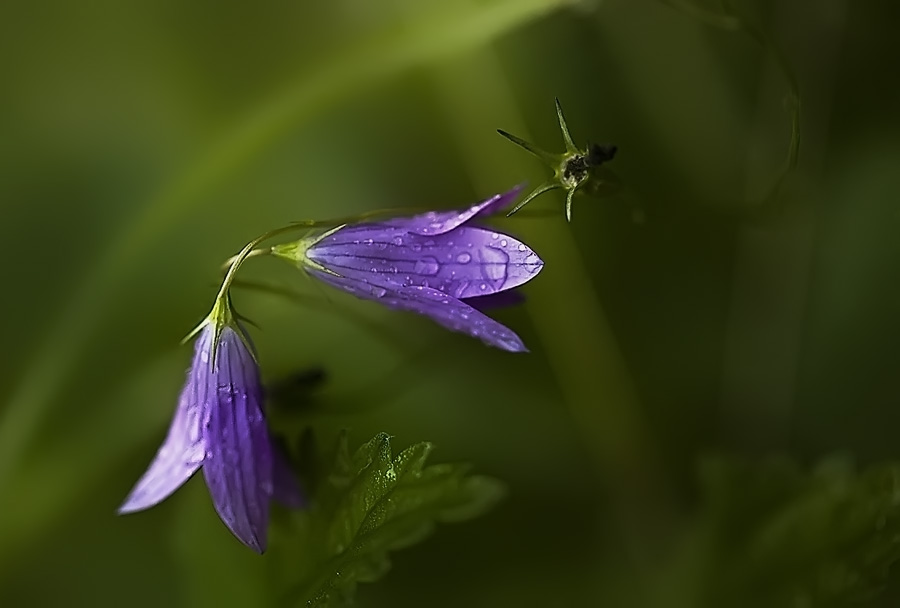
(183, 450)
(503, 299)
(239, 465)
(444, 309)
(465, 263)
(428, 264)
(440, 222)
(219, 426)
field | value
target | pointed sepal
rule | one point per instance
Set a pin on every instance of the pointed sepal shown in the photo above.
(572, 170)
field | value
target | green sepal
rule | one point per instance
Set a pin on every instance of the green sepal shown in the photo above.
(221, 316)
(572, 169)
(295, 252)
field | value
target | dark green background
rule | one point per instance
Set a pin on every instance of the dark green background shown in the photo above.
(143, 143)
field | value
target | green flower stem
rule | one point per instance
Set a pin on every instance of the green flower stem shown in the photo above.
(445, 30)
(730, 19)
(574, 332)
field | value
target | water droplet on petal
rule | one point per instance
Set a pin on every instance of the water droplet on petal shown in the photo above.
(495, 236)
(399, 241)
(503, 243)
(494, 263)
(427, 266)
(464, 258)
(204, 356)
(522, 247)
(533, 263)
(416, 247)
(378, 292)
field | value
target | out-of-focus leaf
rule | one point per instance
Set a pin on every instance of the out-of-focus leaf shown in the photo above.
(369, 504)
(777, 536)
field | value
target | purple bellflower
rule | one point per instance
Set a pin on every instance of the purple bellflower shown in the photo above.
(219, 426)
(435, 264)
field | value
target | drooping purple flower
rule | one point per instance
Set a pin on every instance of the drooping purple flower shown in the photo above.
(437, 264)
(219, 426)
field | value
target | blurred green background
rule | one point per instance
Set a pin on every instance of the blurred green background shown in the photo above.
(143, 143)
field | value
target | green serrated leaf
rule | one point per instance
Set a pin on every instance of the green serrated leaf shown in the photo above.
(780, 537)
(371, 503)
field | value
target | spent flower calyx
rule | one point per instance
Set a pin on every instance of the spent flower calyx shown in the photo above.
(572, 169)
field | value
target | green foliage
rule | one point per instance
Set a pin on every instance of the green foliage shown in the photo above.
(778, 537)
(369, 504)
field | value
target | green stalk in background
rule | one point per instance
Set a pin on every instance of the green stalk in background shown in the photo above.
(574, 332)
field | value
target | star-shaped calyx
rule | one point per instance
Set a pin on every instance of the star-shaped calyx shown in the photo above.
(571, 170)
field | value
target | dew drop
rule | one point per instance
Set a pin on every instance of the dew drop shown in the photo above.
(399, 241)
(494, 263)
(503, 243)
(495, 236)
(204, 356)
(416, 247)
(378, 292)
(428, 266)
(464, 258)
(522, 247)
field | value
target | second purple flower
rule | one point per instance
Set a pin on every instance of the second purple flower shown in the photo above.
(437, 264)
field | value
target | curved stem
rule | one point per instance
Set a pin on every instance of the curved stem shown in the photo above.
(732, 20)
